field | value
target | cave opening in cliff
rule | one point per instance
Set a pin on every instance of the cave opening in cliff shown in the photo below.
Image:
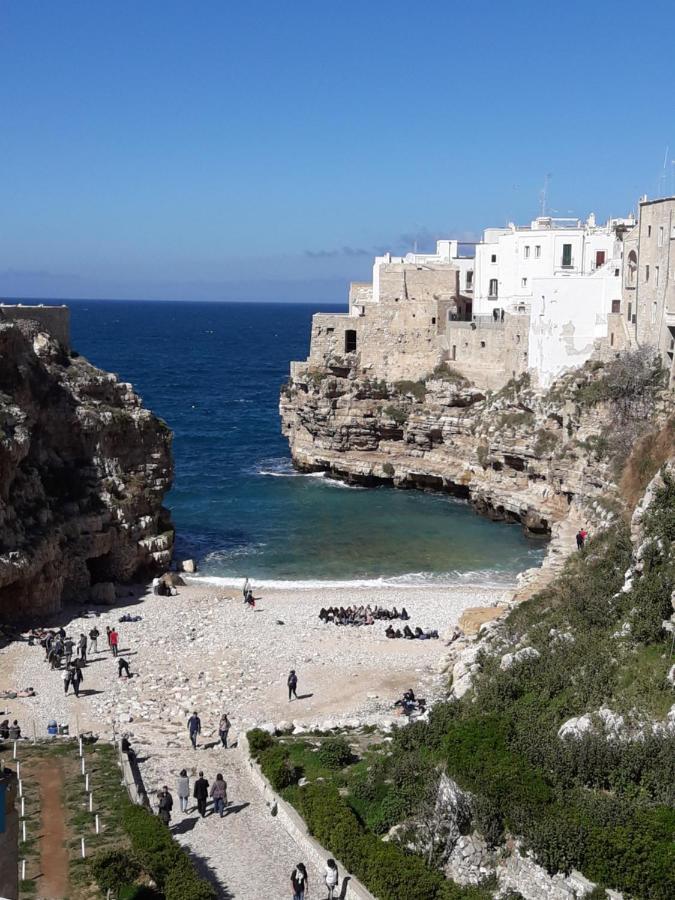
(100, 568)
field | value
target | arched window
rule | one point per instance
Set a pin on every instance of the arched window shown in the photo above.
(631, 269)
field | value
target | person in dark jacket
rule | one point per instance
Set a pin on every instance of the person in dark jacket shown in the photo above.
(165, 805)
(93, 638)
(299, 882)
(201, 794)
(122, 666)
(76, 678)
(194, 728)
(292, 685)
(82, 646)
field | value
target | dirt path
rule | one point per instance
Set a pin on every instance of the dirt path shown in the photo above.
(53, 852)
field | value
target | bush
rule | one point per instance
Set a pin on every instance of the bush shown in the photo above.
(258, 741)
(416, 389)
(334, 753)
(278, 768)
(400, 416)
(114, 868)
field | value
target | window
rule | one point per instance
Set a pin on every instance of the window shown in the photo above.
(632, 268)
(433, 320)
(523, 282)
(330, 330)
(527, 251)
(537, 251)
(454, 351)
(660, 235)
(493, 287)
(482, 344)
(350, 341)
(517, 339)
(629, 310)
(599, 258)
(649, 230)
(656, 276)
(616, 273)
(654, 313)
(611, 339)
(493, 258)
(646, 273)
(469, 278)
(616, 306)
(567, 256)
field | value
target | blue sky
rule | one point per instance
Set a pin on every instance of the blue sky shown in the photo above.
(219, 150)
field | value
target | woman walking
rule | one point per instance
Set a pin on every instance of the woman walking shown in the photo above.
(331, 877)
(299, 882)
(219, 795)
(223, 729)
(183, 790)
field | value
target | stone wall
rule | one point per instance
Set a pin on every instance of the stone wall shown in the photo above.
(489, 352)
(55, 320)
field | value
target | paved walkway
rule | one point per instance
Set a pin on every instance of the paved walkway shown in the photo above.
(249, 851)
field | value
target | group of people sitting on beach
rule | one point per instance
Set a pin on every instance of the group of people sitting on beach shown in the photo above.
(410, 635)
(360, 615)
(410, 704)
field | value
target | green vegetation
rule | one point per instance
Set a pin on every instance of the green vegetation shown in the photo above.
(603, 805)
(388, 469)
(399, 415)
(546, 442)
(416, 389)
(515, 419)
(447, 373)
(514, 387)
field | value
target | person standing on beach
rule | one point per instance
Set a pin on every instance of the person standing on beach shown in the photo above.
(219, 795)
(194, 728)
(299, 882)
(76, 678)
(201, 793)
(113, 639)
(247, 588)
(107, 634)
(292, 685)
(223, 729)
(93, 638)
(68, 645)
(183, 790)
(82, 647)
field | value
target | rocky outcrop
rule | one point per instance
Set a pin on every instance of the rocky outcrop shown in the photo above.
(83, 470)
(516, 455)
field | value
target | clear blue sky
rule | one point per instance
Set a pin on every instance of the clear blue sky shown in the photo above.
(266, 150)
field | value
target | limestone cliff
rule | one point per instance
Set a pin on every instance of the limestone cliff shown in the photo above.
(83, 470)
(518, 454)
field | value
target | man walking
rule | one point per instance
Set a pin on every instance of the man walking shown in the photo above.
(82, 644)
(114, 638)
(76, 678)
(68, 645)
(292, 685)
(194, 727)
(201, 793)
(93, 638)
(165, 805)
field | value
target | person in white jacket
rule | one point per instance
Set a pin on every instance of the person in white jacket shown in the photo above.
(331, 878)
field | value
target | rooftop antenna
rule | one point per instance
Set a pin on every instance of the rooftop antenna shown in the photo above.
(663, 180)
(543, 194)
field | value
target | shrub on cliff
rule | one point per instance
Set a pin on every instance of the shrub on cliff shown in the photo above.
(415, 389)
(334, 753)
(278, 768)
(399, 415)
(258, 740)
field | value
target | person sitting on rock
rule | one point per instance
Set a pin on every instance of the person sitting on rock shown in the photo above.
(14, 731)
(407, 633)
(390, 632)
(4, 729)
(404, 614)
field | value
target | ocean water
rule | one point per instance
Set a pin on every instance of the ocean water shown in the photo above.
(213, 372)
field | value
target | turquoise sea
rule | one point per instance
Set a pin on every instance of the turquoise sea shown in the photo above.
(213, 372)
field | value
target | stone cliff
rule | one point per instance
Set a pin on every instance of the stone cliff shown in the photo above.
(83, 470)
(518, 454)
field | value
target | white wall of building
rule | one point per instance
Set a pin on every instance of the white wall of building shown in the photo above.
(567, 315)
(446, 254)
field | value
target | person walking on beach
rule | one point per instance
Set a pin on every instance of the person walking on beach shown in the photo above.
(165, 805)
(292, 685)
(108, 629)
(224, 729)
(68, 645)
(299, 882)
(219, 795)
(246, 590)
(194, 728)
(93, 638)
(201, 794)
(331, 877)
(114, 638)
(123, 666)
(82, 647)
(66, 678)
(183, 790)
(76, 678)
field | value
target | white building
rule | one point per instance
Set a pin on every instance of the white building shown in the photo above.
(509, 261)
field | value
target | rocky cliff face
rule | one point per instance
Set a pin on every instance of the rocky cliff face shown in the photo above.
(518, 454)
(83, 470)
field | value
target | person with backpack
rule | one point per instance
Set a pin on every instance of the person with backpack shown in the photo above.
(299, 882)
(194, 728)
(183, 790)
(331, 877)
(292, 683)
(219, 795)
(201, 793)
(93, 638)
